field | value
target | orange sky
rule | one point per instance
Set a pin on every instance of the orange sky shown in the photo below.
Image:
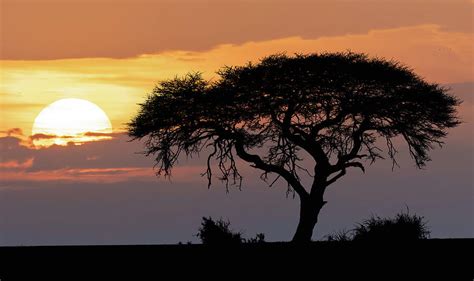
(113, 52)
(117, 85)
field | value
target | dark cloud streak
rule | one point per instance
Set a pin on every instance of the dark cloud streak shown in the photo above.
(56, 29)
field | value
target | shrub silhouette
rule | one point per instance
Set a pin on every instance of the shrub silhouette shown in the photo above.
(404, 227)
(217, 233)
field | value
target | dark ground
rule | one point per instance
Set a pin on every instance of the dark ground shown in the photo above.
(434, 259)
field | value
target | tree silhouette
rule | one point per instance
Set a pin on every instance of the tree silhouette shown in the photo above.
(342, 110)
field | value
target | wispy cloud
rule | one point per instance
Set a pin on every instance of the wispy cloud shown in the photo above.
(13, 132)
(17, 165)
(112, 160)
(97, 134)
(47, 137)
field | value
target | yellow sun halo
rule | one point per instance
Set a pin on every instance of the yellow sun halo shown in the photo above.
(70, 121)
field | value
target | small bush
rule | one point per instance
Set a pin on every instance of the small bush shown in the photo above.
(217, 233)
(404, 227)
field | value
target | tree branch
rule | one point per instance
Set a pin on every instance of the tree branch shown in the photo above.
(336, 177)
(357, 138)
(355, 164)
(260, 164)
(301, 138)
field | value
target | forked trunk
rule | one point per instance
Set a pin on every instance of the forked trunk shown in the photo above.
(309, 211)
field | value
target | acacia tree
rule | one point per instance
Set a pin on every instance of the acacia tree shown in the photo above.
(336, 108)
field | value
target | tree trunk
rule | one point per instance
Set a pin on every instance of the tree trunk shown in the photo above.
(309, 211)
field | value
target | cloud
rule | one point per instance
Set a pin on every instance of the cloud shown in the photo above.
(21, 106)
(45, 140)
(159, 26)
(48, 136)
(110, 160)
(96, 134)
(16, 164)
(11, 149)
(11, 172)
(109, 175)
(13, 131)
(112, 153)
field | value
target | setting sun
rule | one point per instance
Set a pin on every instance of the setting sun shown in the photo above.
(70, 121)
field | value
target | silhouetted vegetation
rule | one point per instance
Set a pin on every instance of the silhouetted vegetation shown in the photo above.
(341, 236)
(403, 227)
(219, 233)
(342, 109)
(259, 238)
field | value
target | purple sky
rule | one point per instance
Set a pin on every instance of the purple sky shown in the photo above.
(145, 210)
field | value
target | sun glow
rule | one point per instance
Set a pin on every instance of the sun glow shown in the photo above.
(70, 121)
